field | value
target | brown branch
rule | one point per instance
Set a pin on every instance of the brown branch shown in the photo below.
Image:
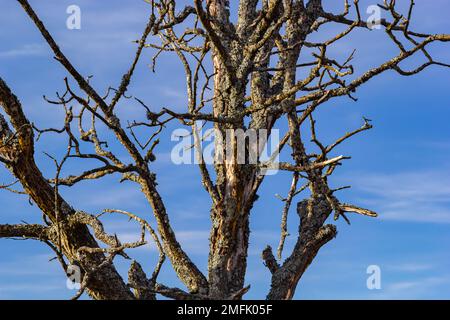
(269, 260)
(365, 126)
(284, 216)
(59, 56)
(184, 267)
(127, 76)
(24, 168)
(137, 279)
(25, 231)
(317, 165)
(177, 294)
(355, 209)
(93, 174)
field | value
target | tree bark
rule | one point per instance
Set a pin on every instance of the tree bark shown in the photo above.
(313, 234)
(18, 152)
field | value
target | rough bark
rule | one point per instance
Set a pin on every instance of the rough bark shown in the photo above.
(19, 154)
(312, 235)
(255, 58)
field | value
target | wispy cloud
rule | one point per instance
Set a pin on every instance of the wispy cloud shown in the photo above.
(411, 267)
(409, 196)
(34, 265)
(32, 276)
(24, 51)
(414, 289)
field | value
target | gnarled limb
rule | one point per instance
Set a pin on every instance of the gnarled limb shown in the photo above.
(260, 76)
(25, 231)
(18, 148)
(313, 234)
(184, 267)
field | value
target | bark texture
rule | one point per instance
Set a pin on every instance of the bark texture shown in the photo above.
(248, 73)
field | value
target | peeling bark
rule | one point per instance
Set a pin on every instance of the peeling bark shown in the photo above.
(254, 61)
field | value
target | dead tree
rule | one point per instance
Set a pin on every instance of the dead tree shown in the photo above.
(241, 73)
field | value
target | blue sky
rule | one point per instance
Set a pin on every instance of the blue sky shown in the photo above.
(399, 169)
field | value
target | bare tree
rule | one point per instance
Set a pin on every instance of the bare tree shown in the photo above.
(242, 72)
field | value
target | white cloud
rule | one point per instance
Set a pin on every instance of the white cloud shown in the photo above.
(25, 50)
(32, 275)
(411, 267)
(409, 196)
(414, 289)
(30, 287)
(35, 265)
